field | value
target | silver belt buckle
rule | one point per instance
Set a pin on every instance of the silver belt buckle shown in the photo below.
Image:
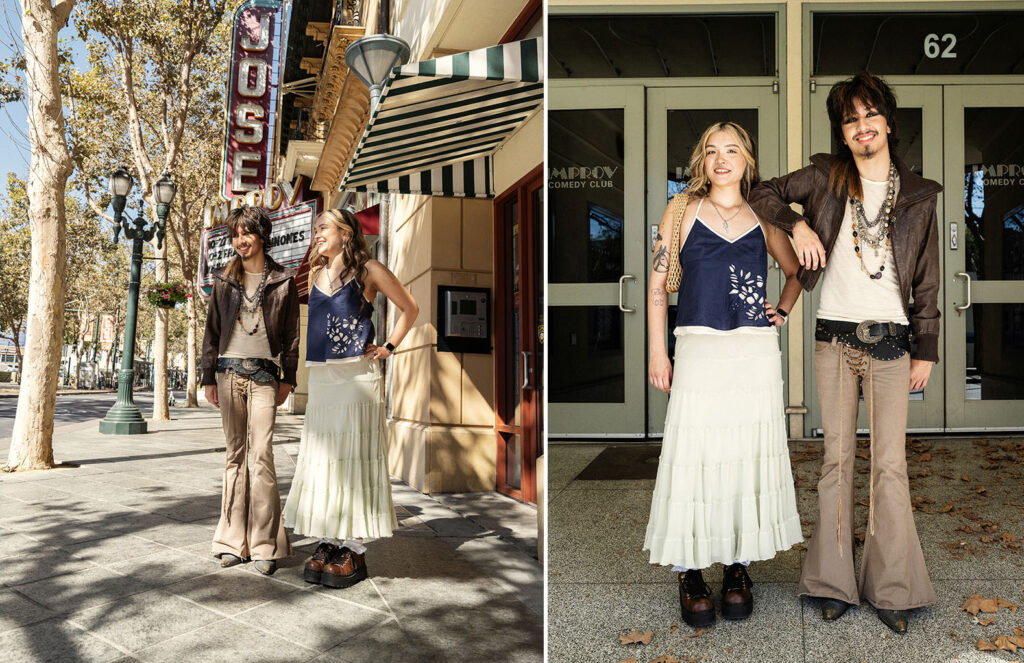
(864, 336)
(250, 364)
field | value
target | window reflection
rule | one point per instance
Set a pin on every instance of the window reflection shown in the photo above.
(587, 355)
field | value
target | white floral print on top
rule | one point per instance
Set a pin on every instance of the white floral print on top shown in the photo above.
(746, 291)
(343, 333)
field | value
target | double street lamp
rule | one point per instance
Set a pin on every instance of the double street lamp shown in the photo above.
(124, 418)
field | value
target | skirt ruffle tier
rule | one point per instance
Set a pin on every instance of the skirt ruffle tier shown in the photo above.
(341, 488)
(724, 490)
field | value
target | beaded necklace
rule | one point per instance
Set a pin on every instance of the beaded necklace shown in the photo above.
(253, 305)
(876, 233)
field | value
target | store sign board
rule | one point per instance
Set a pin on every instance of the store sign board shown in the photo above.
(252, 96)
(290, 236)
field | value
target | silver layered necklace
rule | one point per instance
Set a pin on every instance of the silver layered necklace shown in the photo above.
(252, 305)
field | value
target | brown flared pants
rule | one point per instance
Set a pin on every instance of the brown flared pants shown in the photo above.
(251, 524)
(892, 571)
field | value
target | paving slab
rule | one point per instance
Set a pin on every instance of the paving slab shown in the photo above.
(143, 619)
(83, 589)
(56, 641)
(230, 591)
(226, 641)
(18, 610)
(312, 619)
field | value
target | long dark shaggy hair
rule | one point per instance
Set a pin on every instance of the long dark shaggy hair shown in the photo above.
(873, 92)
(355, 252)
(253, 221)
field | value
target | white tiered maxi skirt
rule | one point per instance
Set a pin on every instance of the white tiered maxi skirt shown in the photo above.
(724, 490)
(341, 488)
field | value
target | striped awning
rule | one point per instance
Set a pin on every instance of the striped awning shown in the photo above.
(439, 121)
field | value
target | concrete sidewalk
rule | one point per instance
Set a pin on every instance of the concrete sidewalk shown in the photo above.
(969, 509)
(110, 561)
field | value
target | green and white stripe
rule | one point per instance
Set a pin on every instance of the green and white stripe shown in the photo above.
(438, 121)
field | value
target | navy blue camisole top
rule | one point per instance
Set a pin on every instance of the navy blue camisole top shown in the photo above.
(723, 284)
(339, 325)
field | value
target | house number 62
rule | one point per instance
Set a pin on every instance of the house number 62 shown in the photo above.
(932, 49)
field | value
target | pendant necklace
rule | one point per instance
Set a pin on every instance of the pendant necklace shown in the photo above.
(725, 221)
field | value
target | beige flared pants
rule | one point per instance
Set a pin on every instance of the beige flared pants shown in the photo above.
(892, 573)
(251, 525)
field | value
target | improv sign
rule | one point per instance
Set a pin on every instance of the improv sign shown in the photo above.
(271, 198)
(252, 96)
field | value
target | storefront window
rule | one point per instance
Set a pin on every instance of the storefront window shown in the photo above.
(661, 45)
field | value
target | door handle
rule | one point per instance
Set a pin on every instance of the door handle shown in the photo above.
(623, 307)
(526, 369)
(968, 304)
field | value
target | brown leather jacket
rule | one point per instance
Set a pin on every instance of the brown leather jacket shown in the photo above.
(915, 238)
(280, 319)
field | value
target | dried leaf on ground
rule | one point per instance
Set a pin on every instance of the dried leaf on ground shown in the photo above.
(976, 603)
(637, 637)
(1003, 603)
(1018, 630)
(1009, 538)
(696, 634)
(985, 645)
(947, 508)
(1017, 640)
(964, 477)
(987, 539)
(964, 528)
(924, 457)
(988, 621)
(1004, 644)
(982, 490)
(675, 626)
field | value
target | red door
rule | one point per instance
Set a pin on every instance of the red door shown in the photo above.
(519, 360)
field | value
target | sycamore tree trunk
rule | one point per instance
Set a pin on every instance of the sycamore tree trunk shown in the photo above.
(32, 436)
(160, 410)
(191, 397)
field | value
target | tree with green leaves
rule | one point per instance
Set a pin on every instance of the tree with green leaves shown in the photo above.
(50, 165)
(160, 60)
(15, 257)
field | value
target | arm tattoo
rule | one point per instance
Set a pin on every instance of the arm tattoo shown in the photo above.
(658, 297)
(658, 238)
(660, 258)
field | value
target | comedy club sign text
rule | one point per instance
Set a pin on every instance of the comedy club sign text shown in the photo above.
(252, 95)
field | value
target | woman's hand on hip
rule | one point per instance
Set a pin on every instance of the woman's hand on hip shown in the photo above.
(659, 372)
(374, 352)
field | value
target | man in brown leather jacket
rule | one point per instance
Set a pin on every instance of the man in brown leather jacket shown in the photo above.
(872, 222)
(250, 354)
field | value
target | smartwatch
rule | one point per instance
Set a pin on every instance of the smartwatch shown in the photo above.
(390, 347)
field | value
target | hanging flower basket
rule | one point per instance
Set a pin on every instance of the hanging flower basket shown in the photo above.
(167, 295)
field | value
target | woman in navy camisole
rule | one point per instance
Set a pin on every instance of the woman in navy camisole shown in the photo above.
(724, 491)
(341, 491)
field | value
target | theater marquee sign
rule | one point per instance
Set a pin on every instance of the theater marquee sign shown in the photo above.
(256, 50)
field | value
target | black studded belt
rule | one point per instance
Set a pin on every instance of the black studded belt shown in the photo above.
(260, 370)
(882, 340)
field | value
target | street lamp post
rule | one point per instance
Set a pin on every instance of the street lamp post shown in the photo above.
(372, 58)
(124, 418)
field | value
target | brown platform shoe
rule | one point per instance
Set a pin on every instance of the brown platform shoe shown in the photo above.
(737, 601)
(695, 599)
(344, 568)
(315, 564)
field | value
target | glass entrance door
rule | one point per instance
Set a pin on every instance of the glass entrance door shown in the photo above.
(919, 127)
(676, 118)
(984, 276)
(595, 327)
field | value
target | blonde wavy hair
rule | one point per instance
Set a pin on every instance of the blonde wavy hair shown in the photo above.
(355, 252)
(699, 184)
